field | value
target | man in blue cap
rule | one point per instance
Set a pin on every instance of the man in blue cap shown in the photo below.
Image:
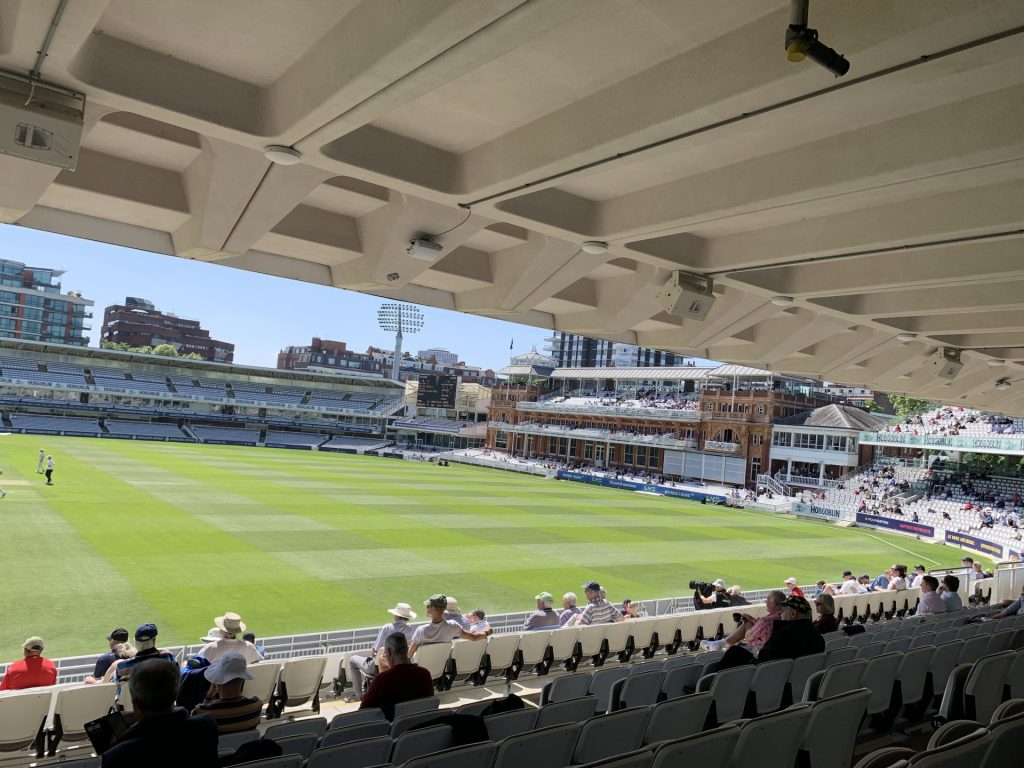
(145, 644)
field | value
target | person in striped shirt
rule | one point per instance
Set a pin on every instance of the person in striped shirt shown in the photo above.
(598, 610)
(224, 702)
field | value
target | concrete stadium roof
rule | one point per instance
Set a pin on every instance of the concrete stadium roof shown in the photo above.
(888, 202)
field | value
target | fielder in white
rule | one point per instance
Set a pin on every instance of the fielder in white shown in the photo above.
(39, 464)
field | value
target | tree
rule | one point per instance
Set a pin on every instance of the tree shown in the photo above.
(909, 406)
(871, 406)
(164, 350)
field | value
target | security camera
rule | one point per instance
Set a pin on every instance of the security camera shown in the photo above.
(802, 42)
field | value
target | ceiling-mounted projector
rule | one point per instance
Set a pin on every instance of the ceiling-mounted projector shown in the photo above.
(687, 296)
(43, 123)
(424, 249)
(946, 363)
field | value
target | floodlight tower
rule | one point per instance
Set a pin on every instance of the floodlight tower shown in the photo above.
(399, 318)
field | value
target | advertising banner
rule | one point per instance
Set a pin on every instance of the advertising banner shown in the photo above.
(954, 442)
(917, 529)
(968, 541)
(632, 485)
(820, 511)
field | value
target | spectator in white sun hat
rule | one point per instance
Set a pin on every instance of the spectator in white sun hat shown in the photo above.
(362, 668)
(230, 626)
(224, 701)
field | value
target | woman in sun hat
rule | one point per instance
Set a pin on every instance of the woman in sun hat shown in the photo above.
(230, 626)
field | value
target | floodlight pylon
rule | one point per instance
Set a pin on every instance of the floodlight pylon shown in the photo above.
(399, 319)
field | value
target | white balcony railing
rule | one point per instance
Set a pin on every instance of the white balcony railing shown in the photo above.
(721, 447)
(662, 414)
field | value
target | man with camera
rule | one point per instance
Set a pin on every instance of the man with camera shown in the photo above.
(707, 596)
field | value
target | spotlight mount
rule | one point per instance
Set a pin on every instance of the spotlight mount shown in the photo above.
(687, 295)
(1003, 384)
(802, 42)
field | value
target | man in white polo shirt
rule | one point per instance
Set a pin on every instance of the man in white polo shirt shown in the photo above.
(439, 630)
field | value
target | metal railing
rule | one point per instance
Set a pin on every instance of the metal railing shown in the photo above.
(661, 414)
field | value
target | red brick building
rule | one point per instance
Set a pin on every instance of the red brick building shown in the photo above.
(138, 323)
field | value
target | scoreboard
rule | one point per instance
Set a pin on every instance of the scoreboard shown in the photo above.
(437, 392)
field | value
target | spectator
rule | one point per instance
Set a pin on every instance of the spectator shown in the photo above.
(826, 608)
(569, 608)
(401, 680)
(628, 610)
(850, 585)
(544, 617)
(452, 613)
(880, 582)
(736, 597)
(794, 589)
(793, 635)
(719, 598)
(114, 639)
(162, 734)
(440, 629)
(950, 593)
(478, 621)
(819, 588)
(753, 632)
(145, 644)
(968, 563)
(230, 626)
(32, 670)
(977, 572)
(865, 582)
(897, 579)
(250, 637)
(919, 573)
(224, 700)
(1013, 609)
(931, 601)
(598, 610)
(362, 668)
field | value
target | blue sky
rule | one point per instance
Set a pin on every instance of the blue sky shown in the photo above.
(258, 313)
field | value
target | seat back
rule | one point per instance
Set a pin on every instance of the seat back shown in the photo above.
(302, 678)
(467, 656)
(687, 625)
(640, 758)
(563, 643)
(406, 722)
(711, 748)
(913, 673)
(944, 658)
(983, 691)
(507, 724)
(313, 725)
(358, 754)
(532, 646)
(966, 751)
(677, 718)
(973, 648)
(870, 650)
(233, 741)
(617, 635)
(79, 705)
(601, 684)
(1007, 738)
(590, 639)
(356, 717)
(546, 748)
(778, 735)
(567, 687)
(803, 668)
(561, 712)
(832, 729)
(302, 744)
(897, 644)
(473, 756)
(284, 761)
(21, 716)
(769, 684)
(843, 655)
(880, 677)
(433, 657)
(358, 732)
(422, 741)
(501, 650)
(608, 735)
(414, 706)
(638, 690)
(729, 690)
(641, 631)
(922, 639)
(265, 675)
(841, 678)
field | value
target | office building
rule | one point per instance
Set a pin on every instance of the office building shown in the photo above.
(33, 308)
(138, 323)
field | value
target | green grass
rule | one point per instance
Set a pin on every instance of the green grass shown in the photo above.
(296, 541)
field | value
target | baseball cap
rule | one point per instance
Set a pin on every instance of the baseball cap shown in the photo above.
(847, 574)
(436, 601)
(718, 583)
(33, 644)
(146, 632)
(224, 669)
(798, 604)
(791, 580)
(545, 597)
(452, 605)
(593, 586)
(119, 635)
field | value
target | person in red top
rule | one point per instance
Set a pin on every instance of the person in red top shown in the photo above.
(400, 680)
(794, 590)
(32, 671)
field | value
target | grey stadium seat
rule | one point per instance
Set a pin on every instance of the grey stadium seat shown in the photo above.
(677, 718)
(358, 754)
(572, 711)
(474, 756)
(422, 741)
(337, 736)
(544, 748)
(831, 732)
(605, 736)
(711, 748)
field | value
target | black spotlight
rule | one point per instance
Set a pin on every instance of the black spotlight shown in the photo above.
(803, 42)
